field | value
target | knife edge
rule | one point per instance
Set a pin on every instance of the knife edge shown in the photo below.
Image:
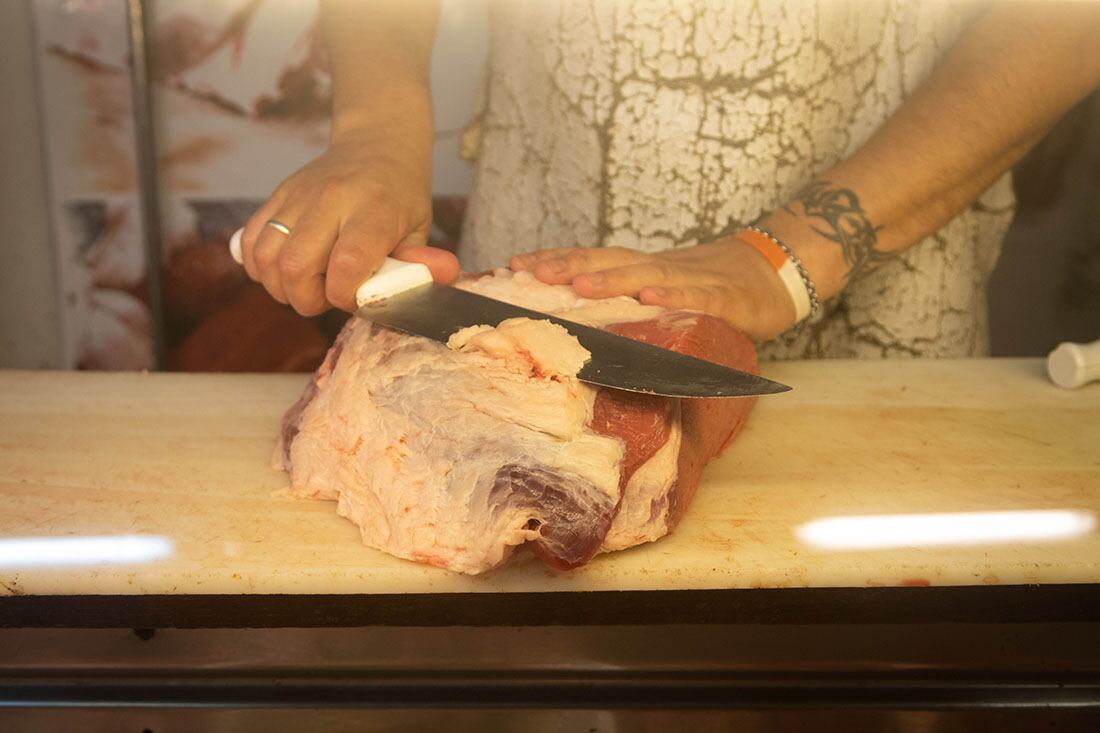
(437, 311)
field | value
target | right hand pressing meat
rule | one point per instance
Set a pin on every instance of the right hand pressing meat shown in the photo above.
(368, 196)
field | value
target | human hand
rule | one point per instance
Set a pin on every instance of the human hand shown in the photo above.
(367, 197)
(726, 278)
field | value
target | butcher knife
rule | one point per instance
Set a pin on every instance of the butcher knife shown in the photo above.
(402, 295)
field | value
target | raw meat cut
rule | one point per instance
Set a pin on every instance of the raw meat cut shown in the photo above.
(457, 455)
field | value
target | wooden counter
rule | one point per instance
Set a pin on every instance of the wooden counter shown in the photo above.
(184, 458)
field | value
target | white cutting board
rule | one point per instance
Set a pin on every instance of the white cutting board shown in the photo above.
(184, 458)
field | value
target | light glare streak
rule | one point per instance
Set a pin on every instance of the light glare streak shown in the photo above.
(37, 552)
(955, 528)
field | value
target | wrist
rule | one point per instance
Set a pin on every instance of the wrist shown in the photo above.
(753, 274)
(377, 142)
(393, 110)
(796, 284)
(822, 260)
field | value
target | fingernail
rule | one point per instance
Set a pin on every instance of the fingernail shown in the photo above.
(658, 292)
(594, 278)
(555, 265)
(521, 261)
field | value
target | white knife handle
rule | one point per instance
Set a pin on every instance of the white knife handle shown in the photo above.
(392, 278)
(235, 247)
(1073, 365)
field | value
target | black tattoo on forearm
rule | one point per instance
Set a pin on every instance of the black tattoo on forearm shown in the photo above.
(845, 223)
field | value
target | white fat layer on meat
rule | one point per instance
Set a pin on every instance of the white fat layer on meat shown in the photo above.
(529, 347)
(421, 430)
(421, 437)
(647, 490)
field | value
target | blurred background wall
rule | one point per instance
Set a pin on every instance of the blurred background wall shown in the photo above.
(30, 328)
(240, 91)
(240, 94)
(1047, 287)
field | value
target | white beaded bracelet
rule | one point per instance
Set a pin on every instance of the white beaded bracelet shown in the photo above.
(787, 266)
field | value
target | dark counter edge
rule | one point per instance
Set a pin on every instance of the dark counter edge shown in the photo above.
(1069, 603)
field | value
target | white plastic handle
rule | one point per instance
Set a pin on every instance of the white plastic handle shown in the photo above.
(235, 247)
(1074, 365)
(392, 278)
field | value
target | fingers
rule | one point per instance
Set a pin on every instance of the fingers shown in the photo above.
(558, 267)
(252, 230)
(321, 262)
(361, 246)
(630, 279)
(302, 260)
(267, 251)
(706, 298)
(528, 260)
(443, 264)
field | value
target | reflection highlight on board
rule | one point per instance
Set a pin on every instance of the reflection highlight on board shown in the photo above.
(943, 529)
(37, 552)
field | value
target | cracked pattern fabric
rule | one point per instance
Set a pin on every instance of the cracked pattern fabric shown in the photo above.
(660, 123)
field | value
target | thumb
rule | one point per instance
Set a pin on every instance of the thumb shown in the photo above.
(443, 264)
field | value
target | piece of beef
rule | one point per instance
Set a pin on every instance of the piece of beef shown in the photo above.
(691, 431)
(458, 456)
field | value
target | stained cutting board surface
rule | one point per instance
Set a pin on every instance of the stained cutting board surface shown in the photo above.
(181, 463)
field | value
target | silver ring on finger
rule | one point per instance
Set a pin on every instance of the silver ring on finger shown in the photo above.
(278, 226)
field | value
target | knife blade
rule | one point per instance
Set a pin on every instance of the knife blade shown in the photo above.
(401, 295)
(436, 311)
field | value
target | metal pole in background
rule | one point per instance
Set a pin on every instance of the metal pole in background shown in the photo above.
(148, 182)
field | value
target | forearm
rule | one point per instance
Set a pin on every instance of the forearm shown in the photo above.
(1010, 76)
(380, 54)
